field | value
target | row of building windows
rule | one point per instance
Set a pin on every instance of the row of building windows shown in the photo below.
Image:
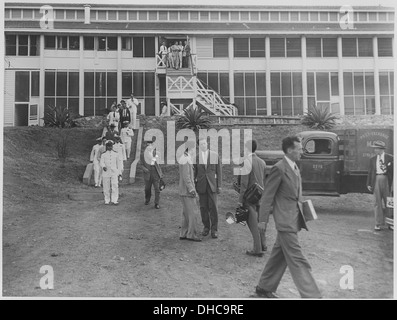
(247, 16)
(28, 45)
(100, 90)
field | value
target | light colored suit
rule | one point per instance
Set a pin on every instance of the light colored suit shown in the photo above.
(255, 174)
(95, 160)
(186, 186)
(113, 164)
(283, 192)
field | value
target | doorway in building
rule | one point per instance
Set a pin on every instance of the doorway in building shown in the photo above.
(21, 115)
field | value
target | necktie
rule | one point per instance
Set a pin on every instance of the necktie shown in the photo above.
(296, 170)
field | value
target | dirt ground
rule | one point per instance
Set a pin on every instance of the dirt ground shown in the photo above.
(134, 251)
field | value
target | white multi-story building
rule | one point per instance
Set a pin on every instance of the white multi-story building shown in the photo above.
(250, 60)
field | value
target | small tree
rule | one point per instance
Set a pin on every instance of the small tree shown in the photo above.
(59, 116)
(319, 118)
(194, 119)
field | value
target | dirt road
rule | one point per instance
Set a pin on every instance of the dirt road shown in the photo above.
(133, 250)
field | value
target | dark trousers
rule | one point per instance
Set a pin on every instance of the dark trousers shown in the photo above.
(258, 234)
(287, 252)
(209, 209)
(152, 179)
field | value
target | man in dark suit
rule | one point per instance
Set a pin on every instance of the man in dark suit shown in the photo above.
(208, 177)
(252, 172)
(125, 114)
(283, 195)
(151, 174)
(380, 180)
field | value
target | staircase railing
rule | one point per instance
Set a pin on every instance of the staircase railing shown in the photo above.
(218, 104)
(193, 63)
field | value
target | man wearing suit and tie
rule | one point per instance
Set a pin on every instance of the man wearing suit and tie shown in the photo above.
(380, 180)
(208, 177)
(125, 114)
(253, 172)
(283, 196)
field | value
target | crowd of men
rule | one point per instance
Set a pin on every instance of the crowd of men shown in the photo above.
(282, 197)
(175, 56)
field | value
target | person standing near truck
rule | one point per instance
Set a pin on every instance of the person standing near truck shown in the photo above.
(380, 180)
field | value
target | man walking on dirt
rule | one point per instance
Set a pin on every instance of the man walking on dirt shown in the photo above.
(380, 180)
(283, 196)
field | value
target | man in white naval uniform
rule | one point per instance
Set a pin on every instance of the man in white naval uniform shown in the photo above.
(95, 160)
(111, 164)
(132, 105)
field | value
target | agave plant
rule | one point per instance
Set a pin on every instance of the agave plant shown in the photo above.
(194, 119)
(59, 116)
(319, 118)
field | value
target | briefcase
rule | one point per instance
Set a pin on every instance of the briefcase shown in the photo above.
(253, 194)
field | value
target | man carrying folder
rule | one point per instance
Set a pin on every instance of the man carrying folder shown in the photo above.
(283, 193)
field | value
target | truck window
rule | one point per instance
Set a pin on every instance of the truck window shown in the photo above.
(317, 146)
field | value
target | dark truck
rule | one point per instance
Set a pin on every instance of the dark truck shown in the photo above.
(335, 163)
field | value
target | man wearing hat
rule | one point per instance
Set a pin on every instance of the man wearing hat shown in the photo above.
(111, 133)
(126, 135)
(151, 174)
(132, 105)
(111, 165)
(125, 114)
(95, 160)
(380, 180)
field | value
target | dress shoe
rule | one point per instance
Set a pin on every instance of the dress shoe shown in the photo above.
(214, 235)
(265, 294)
(377, 228)
(254, 254)
(182, 238)
(157, 206)
(205, 233)
(194, 239)
(116, 203)
(146, 203)
(107, 202)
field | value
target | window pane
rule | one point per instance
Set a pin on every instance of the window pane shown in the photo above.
(304, 16)
(261, 84)
(100, 106)
(239, 84)
(359, 105)
(74, 84)
(254, 16)
(349, 105)
(132, 15)
(22, 82)
(112, 43)
(150, 108)
(71, 14)
(313, 16)
(88, 84)
(62, 84)
(323, 16)
(330, 47)
(49, 83)
(235, 16)
(250, 106)
(369, 84)
(23, 45)
(88, 107)
(392, 82)
(297, 83)
(60, 14)
(250, 84)
(138, 84)
(203, 77)
(149, 47)
(264, 16)
(184, 15)
(284, 16)
(126, 81)
(126, 43)
(244, 16)
(61, 102)
(122, 15)
(294, 16)
(370, 105)
(224, 84)
(365, 47)
(149, 84)
(287, 106)
(298, 106)
(214, 15)
(275, 84)
(241, 47)
(138, 47)
(74, 43)
(73, 105)
(385, 47)
(112, 15)
(261, 104)
(112, 84)
(35, 84)
(274, 16)
(322, 82)
(62, 42)
(385, 106)
(257, 47)
(88, 43)
(313, 47)
(358, 83)
(240, 104)
(49, 42)
(11, 41)
(221, 47)
(204, 15)
(286, 84)
(348, 83)
(276, 106)
(310, 84)
(174, 15)
(101, 43)
(225, 16)
(142, 15)
(333, 16)
(100, 84)
(213, 81)
(277, 47)
(334, 84)
(349, 47)
(384, 83)
(194, 16)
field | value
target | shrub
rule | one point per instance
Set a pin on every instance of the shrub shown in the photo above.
(194, 119)
(59, 117)
(319, 118)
